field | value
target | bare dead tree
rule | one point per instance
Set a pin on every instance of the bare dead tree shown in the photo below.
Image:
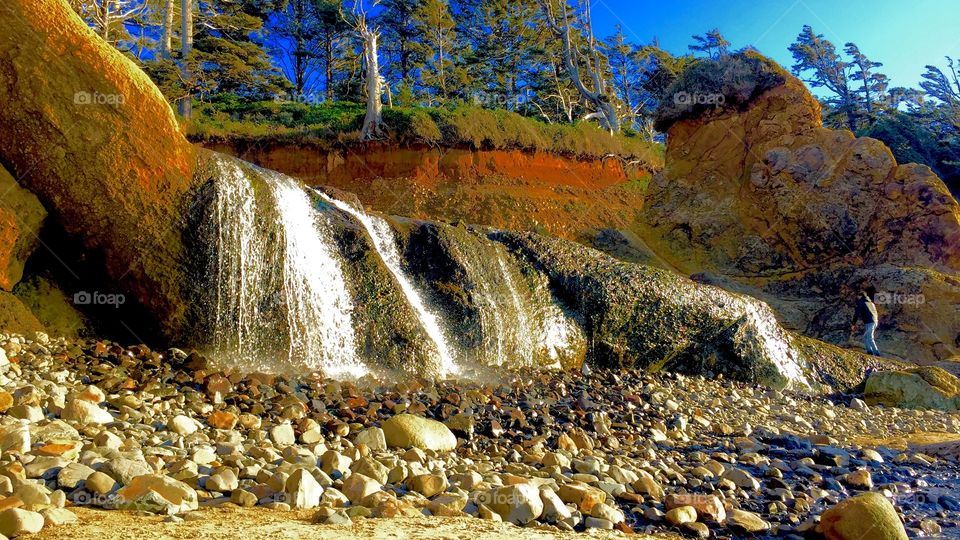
(106, 15)
(373, 127)
(588, 60)
(186, 45)
(166, 41)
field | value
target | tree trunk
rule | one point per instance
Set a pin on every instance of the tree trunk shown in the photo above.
(299, 55)
(443, 82)
(328, 66)
(166, 43)
(186, 45)
(596, 97)
(373, 121)
(106, 20)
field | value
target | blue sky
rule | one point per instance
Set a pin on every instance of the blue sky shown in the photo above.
(905, 35)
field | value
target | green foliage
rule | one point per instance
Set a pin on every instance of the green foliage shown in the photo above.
(706, 83)
(912, 142)
(455, 125)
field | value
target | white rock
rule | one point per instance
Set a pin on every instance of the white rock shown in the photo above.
(553, 508)
(225, 480)
(156, 493)
(357, 486)
(15, 438)
(519, 504)
(282, 435)
(183, 425)
(17, 521)
(58, 516)
(373, 438)
(302, 490)
(85, 412)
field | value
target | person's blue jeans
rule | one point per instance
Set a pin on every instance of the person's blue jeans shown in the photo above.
(868, 341)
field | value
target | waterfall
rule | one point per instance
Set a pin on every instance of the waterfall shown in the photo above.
(511, 323)
(280, 296)
(383, 241)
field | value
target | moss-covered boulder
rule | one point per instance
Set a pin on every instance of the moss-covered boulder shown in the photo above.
(52, 307)
(639, 316)
(868, 515)
(16, 317)
(925, 387)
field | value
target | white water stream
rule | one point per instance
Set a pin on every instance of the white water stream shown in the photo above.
(383, 241)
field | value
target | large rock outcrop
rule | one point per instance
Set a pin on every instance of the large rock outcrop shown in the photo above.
(915, 388)
(93, 138)
(642, 316)
(757, 195)
(21, 216)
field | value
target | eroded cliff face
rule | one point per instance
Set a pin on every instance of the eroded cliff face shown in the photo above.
(766, 200)
(512, 189)
(92, 137)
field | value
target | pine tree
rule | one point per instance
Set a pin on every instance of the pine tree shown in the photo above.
(400, 36)
(435, 25)
(712, 43)
(816, 55)
(873, 85)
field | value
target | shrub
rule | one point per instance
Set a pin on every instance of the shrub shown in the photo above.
(730, 81)
(456, 124)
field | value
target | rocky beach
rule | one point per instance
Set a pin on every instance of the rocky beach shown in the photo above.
(231, 309)
(91, 425)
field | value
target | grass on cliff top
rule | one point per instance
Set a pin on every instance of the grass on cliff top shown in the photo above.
(732, 80)
(334, 124)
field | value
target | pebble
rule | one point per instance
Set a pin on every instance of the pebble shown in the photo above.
(569, 450)
(681, 515)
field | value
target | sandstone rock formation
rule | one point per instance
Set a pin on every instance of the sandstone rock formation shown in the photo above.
(917, 388)
(763, 198)
(21, 216)
(642, 316)
(95, 141)
(515, 190)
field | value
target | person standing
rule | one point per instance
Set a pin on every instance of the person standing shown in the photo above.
(866, 311)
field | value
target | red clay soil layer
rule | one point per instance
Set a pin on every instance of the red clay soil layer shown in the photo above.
(511, 189)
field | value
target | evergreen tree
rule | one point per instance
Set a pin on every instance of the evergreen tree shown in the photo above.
(712, 43)
(226, 54)
(873, 85)
(436, 28)
(400, 36)
(817, 56)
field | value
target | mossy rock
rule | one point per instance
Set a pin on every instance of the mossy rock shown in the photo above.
(917, 388)
(728, 82)
(869, 515)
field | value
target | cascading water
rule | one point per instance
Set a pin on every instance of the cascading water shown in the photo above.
(382, 237)
(517, 325)
(281, 296)
(281, 300)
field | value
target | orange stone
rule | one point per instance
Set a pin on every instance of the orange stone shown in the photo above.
(6, 401)
(10, 502)
(222, 420)
(55, 449)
